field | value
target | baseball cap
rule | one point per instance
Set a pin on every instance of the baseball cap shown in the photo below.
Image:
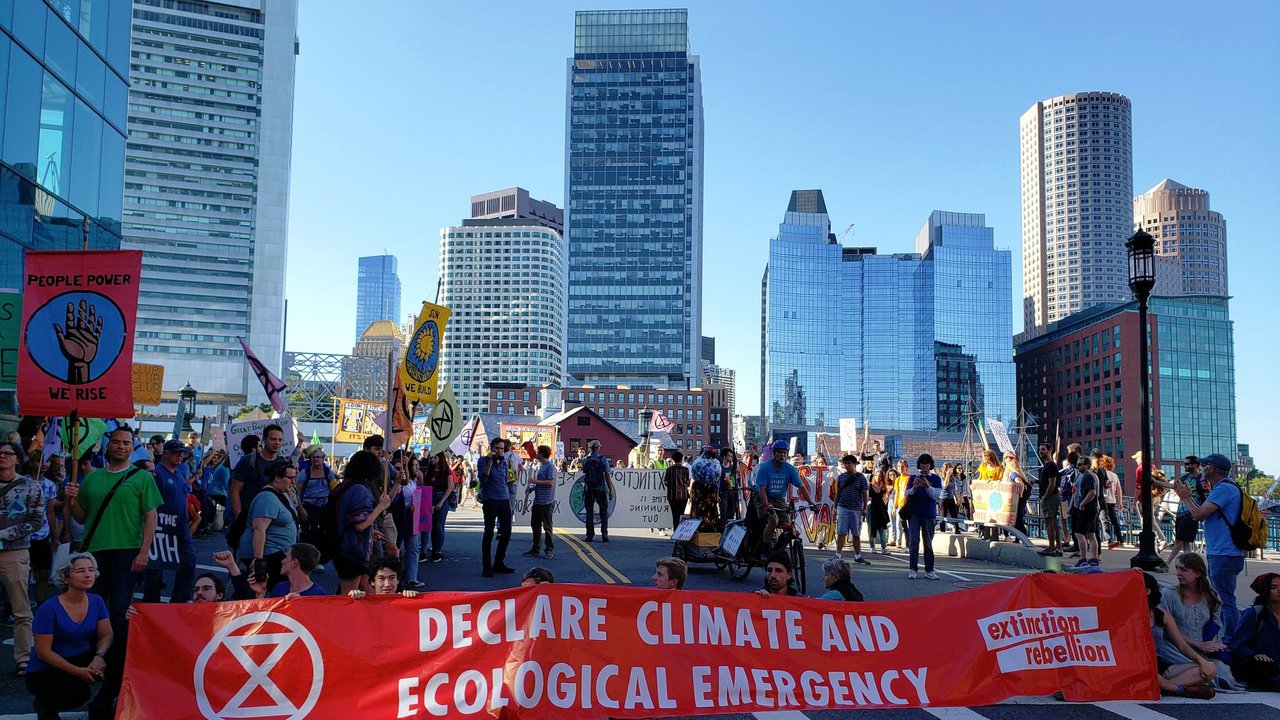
(176, 446)
(1217, 460)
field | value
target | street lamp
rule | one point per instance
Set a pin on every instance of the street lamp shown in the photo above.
(186, 411)
(646, 419)
(1142, 278)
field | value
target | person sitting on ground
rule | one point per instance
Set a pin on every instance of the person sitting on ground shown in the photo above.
(838, 579)
(299, 561)
(1182, 670)
(1255, 644)
(1196, 609)
(537, 576)
(671, 573)
(385, 577)
(779, 576)
(72, 635)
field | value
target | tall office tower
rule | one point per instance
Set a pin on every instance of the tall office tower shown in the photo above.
(63, 93)
(633, 187)
(720, 376)
(1188, 233)
(377, 291)
(910, 340)
(504, 280)
(1077, 190)
(708, 350)
(207, 187)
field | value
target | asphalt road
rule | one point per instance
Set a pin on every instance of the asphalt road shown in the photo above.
(629, 559)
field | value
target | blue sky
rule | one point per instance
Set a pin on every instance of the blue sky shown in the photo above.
(405, 109)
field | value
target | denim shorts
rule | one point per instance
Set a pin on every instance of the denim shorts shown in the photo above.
(848, 521)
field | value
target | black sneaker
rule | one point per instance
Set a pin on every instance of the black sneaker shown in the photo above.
(503, 569)
(486, 573)
(1046, 552)
(589, 538)
(604, 538)
(436, 557)
(532, 553)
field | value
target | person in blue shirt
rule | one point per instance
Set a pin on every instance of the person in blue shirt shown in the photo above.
(774, 480)
(1218, 512)
(492, 473)
(299, 562)
(597, 488)
(922, 512)
(172, 526)
(72, 635)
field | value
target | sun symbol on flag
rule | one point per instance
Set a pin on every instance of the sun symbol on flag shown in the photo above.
(425, 345)
(424, 353)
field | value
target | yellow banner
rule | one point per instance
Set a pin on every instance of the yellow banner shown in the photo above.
(547, 435)
(147, 380)
(420, 371)
(356, 420)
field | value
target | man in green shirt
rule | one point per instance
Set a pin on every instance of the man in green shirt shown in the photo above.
(117, 506)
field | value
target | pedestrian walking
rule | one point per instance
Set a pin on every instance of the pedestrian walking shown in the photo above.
(544, 503)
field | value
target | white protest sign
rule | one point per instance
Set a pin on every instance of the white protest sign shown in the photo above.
(1001, 435)
(637, 499)
(686, 531)
(239, 431)
(848, 435)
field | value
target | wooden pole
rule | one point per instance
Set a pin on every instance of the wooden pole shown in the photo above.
(333, 431)
(390, 428)
(74, 420)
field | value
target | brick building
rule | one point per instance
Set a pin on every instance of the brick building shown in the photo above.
(1081, 378)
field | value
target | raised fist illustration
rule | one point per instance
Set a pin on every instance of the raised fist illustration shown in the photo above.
(79, 342)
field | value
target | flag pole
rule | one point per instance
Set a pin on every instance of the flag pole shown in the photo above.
(391, 425)
(333, 431)
(74, 419)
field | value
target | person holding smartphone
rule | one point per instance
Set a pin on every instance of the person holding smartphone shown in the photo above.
(492, 471)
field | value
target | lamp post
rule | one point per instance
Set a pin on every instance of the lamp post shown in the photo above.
(1142, 278)
(646, 417)
(186, 411)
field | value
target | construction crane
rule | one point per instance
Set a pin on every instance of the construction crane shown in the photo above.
(846, 231)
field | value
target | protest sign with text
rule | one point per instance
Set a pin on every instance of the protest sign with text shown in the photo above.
(582, 652)
(356, 420)
(147, 381)
(240, 430)
(76, 348)
(420, 371)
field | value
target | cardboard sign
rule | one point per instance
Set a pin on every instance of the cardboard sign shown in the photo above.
(1001, 434)
(356, 420)
(548, 435)
(10, 329)
(420, 371)
(566, 651)
(994, 502)
(687, 529)
(76, 348)
(147, 380)
(239, 431)
(849, 435)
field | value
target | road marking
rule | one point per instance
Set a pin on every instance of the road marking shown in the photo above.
(957, 576)
(953, 713)
(586, 546)
(1132, 710)
(781, 715)
(593, 560)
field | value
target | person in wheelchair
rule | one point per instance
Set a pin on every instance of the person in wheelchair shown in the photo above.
(774, 479)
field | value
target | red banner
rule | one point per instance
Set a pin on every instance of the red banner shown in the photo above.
(76, 351)
(588, 651)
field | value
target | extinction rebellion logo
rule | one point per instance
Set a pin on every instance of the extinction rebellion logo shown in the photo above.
(1041, 638)
(259, 665)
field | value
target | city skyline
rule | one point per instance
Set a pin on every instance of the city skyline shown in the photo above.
(879, 148)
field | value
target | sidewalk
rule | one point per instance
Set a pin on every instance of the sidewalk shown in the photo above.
(969, 545)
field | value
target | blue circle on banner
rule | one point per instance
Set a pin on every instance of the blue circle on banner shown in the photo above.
(995, 501)
(424, 352)
(50, 353)
(578, 503)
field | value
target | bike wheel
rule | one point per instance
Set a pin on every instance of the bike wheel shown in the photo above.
(797, 562)
(679, 552)
(739, 569)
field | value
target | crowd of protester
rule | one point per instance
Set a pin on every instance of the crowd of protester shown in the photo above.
(285, 517)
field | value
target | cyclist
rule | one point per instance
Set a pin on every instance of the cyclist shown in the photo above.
(774, 479)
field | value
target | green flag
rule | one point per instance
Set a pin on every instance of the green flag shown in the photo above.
(88, 433)
(315, 438)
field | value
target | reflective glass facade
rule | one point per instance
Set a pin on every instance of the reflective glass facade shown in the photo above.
(903, 338)
(634, 199)
(377, 291)
(207, 187)
(63, 89)
(1195, 377)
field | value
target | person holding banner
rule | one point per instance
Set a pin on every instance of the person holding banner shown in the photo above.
(384, 576)
(119, 506)
(670, 573)
(172, 529)
(779, 576)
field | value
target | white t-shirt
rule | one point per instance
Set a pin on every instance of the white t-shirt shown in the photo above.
(1109, 492)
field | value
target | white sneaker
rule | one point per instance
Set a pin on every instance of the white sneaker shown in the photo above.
(911, 574)
(932, 575)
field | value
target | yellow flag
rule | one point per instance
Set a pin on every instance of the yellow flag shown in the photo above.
(420, 371)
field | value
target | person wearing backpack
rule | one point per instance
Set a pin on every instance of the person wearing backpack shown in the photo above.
(1219, 511)
(596, 490)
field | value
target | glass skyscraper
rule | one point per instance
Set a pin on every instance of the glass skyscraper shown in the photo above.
(377, 291)
(904, 339)
(207, 187)
(63, 91)
(633, 185)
